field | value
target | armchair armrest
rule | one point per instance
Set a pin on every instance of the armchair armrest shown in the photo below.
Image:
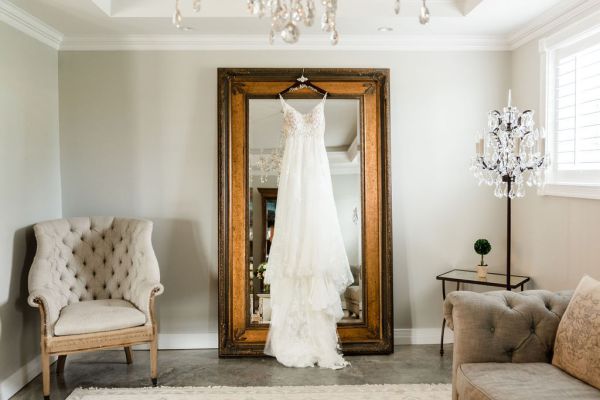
(142, 293)
(51, 301)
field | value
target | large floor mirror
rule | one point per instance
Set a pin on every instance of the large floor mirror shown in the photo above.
(251, 144)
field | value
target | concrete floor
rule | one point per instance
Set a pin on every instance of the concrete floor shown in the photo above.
(408, 364)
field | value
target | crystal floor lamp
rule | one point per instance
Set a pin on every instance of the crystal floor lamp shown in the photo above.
(510, 154)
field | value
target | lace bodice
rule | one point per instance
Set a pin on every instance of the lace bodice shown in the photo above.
(311, 123)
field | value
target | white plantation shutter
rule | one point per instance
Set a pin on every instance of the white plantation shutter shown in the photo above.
(577, 108)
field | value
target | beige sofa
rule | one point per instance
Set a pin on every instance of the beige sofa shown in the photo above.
(503, 346)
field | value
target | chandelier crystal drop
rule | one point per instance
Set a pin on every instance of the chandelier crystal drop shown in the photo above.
(511, 152)
(177, 18)
(196, 5)
(424, 15)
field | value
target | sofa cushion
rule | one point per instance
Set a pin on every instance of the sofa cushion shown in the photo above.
(97, 316)
(513, 381)
(353, 293)
(577, 346)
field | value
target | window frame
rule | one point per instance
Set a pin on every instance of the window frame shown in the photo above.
(579, 183)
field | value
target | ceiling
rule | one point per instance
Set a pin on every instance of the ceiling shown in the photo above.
(85, 22)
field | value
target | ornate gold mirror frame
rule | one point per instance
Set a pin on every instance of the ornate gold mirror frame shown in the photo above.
(372, 335)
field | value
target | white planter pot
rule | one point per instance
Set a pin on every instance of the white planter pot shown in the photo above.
(482, 271)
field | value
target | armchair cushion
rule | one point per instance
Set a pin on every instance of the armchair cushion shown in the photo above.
(508, 381)
(98, 316)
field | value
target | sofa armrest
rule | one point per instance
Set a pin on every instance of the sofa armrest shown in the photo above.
(504, 326)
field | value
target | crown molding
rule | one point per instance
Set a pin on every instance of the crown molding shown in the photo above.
(555, 18)
(30, 25)
(307, 42)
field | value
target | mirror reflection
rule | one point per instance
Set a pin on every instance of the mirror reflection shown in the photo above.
(342, 141)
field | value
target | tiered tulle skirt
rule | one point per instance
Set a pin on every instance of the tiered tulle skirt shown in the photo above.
(308, 268)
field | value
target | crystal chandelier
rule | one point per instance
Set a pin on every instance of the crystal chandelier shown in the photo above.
(511, 153)
(269, 164)
(287, 15)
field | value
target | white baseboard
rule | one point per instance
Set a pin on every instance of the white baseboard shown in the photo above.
(175, 341)
(422, 336)
(21, 377)
(184, 341)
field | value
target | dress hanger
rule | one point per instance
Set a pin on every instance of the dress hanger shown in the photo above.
(301, 83)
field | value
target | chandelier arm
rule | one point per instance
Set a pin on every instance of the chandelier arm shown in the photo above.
(487, 166)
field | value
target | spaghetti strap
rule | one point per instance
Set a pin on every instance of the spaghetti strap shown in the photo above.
(285, 105)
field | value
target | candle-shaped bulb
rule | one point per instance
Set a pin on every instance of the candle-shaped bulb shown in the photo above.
(478, 145)
(543, 146)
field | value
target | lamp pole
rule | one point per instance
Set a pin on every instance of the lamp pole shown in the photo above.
(508, 234)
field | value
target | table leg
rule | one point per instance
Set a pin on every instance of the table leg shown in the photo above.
(444, 290)
(442, 338)
(443, 320)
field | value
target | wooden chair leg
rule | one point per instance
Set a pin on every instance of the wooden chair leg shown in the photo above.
(154, 361)
(60, 364)
(129, 355)
(46, 374)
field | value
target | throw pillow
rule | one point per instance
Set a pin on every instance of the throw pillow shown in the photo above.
(577, 346)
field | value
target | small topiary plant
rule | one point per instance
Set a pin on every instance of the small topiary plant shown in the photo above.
(482, 247)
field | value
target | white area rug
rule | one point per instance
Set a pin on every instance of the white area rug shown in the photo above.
(348, 392)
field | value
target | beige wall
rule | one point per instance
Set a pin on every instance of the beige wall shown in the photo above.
(556, 239)
(29, 182)
(139, 138)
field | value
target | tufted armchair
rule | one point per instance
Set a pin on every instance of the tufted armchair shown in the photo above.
(503, 346)
(94, 281)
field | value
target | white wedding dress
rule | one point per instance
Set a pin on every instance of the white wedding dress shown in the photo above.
(308, 267)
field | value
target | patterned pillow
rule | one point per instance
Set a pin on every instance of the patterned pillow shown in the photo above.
(577, 346)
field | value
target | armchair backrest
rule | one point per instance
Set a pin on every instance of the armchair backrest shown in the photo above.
(92, 258)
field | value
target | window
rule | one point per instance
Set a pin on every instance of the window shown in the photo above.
(577, 110)
(573, 115)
